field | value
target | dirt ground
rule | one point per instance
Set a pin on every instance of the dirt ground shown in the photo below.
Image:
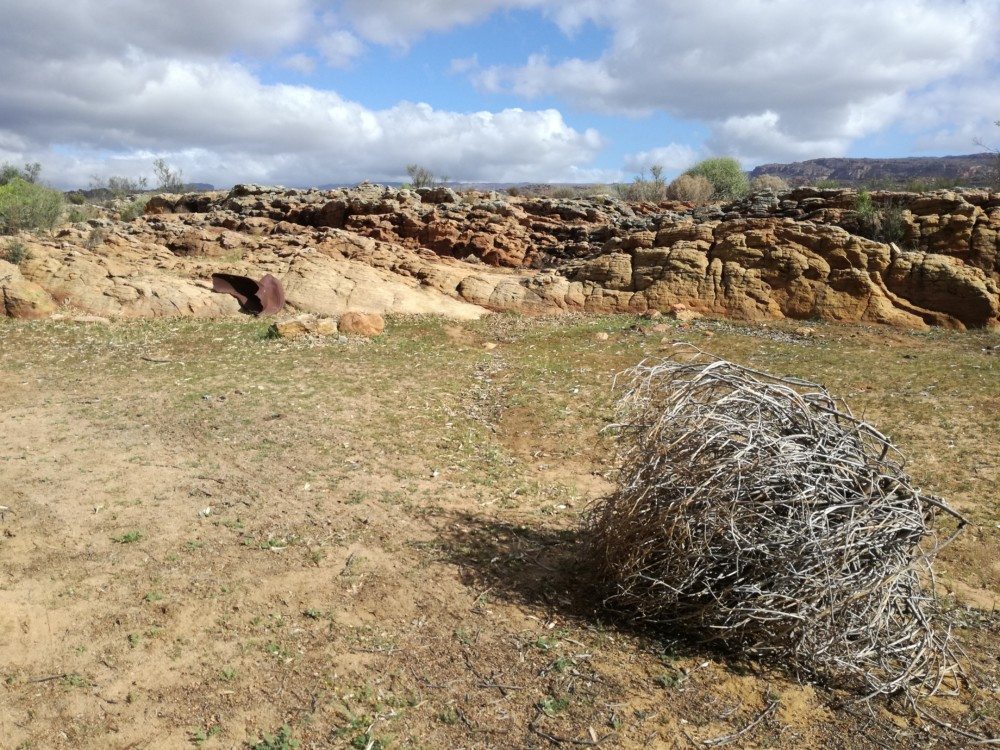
(210, 538)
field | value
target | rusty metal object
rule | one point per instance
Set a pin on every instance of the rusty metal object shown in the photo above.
(264, 297)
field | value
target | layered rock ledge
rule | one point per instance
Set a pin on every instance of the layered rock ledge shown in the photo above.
(799, 254)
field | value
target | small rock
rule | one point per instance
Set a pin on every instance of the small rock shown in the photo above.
(682, 313)
(652, 314)
(602, 336)
(660, 328)
(490, 346)
(805, 331)
(361, 324)
(303, 325)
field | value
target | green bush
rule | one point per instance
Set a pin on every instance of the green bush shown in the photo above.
(28, 173)
(15, 252)
(26, 205)
(880, 222)
(693, 188)
(134, 209)
(726, 175)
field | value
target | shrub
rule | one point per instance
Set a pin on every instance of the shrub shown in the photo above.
(768, 182)
(77, 214)
(758, 512)
(691, 187)
(134, 209)
(26, 205)
(16, 252)
(119, 185)
(95, 239)
(168, 180)
(642, 189)
(28, 173)
(421, 177)
(726, 175)
(880, 222)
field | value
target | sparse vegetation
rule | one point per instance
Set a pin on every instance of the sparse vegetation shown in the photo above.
(26, 205)
(29, 172)
(691, 188)
(768, 182)
(996, 157)
(728, 179)
(469, 579)
(15, 252)
(168, 179)
(881, 221)
(421, 177)
(644, 189)
(129, 537)
(280, 740)
(95, 238)
(134, 209)
(119, 186)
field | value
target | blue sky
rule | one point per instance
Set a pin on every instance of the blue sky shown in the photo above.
(309, 92)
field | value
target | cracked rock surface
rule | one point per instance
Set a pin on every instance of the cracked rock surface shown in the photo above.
(798, 254)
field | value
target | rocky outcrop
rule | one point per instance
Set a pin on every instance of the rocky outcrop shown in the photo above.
(373, 249)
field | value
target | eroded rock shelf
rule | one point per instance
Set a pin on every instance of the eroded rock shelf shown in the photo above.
(800, 254)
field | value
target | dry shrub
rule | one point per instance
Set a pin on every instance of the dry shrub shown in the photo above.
(692, 188)
(757, 512)
(768, 182)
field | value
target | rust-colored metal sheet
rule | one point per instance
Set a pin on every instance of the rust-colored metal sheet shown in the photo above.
(264, 297)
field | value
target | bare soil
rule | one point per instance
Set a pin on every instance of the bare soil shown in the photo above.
(206, 535)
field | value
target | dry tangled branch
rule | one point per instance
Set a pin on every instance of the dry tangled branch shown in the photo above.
(758, 512)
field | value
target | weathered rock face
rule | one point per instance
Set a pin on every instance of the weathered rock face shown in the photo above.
(373, 249)
(20, 298)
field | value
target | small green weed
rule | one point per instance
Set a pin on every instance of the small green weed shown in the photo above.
(128, 537)
(200, 736)
(550, 705)
(280, 740)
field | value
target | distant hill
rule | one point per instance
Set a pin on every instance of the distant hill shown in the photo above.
(972, 170)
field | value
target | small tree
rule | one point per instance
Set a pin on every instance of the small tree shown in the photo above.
(26, 205)
(168, 180)
(420, 176)
(726, 175)
(29, 172)
(996, 154)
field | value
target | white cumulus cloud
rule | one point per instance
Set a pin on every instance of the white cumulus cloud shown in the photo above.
(105, 87)
(775, 78)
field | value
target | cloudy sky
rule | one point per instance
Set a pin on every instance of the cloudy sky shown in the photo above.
(303, 92)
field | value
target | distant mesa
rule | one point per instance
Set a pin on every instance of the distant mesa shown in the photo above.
(972, 170)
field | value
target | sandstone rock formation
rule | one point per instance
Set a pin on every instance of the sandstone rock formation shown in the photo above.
(20, 298)
(375, 249)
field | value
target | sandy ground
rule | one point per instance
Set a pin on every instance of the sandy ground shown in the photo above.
(206, 535)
